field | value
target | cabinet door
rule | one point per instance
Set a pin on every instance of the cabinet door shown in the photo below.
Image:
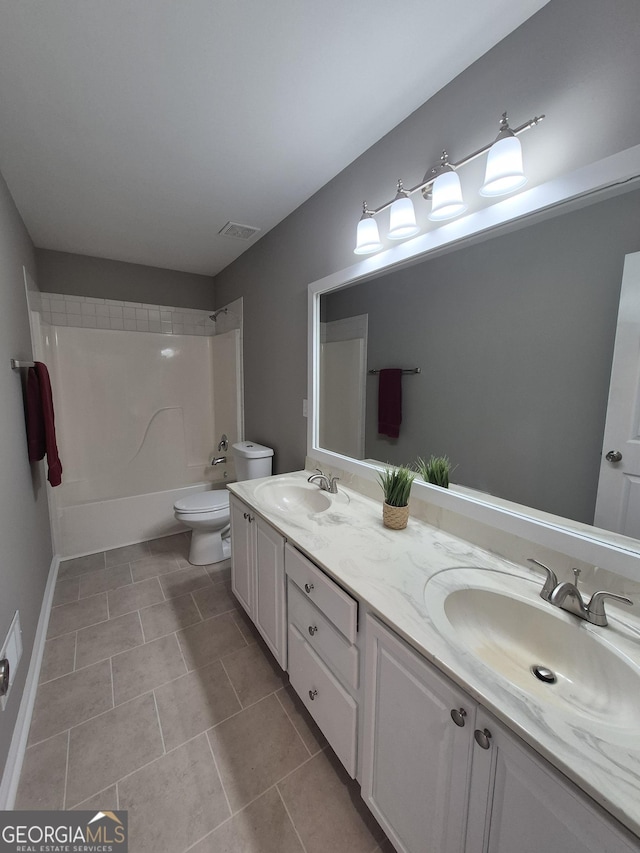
(518, 802)
(416, 760)
(270, 614)
(242, 553)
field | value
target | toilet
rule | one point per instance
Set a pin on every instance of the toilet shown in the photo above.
(207, 513)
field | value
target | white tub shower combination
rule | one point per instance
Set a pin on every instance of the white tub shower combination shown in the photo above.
(138, 418)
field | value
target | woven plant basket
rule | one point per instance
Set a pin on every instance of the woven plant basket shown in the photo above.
(395, 517)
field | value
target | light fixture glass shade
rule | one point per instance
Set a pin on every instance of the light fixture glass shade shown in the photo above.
(446, 197)
(504, 172)
(402, 219)
(367, 237)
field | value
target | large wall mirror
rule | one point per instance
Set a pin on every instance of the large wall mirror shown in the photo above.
(514, 336)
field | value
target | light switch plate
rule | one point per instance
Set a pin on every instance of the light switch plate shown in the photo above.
(12, 650)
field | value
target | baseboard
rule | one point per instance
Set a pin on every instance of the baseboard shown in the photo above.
(13, 767)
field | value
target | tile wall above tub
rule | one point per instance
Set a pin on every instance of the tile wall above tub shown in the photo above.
(91, 313)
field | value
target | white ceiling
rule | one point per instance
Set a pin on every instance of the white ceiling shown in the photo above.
(135, 129)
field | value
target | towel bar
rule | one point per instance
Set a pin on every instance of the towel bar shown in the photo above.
(16, 365)
(412, 370)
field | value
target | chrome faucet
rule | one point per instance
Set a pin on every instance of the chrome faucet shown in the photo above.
(327, 484)
(567, 597)
(217, 460)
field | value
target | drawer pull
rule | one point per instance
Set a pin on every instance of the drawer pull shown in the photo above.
(308, 587)
(313, 694)
(458, 716)
(483, 738)
(313, 629)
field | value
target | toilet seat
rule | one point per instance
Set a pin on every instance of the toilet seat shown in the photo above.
(212, 501)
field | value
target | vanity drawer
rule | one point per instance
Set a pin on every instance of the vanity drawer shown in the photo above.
(330, 644)
(333, 709)
(333, 601)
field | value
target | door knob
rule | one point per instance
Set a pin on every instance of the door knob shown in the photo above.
(458, 715)
(613, 456)
(483, 738)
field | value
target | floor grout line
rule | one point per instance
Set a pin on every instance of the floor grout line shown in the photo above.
(155, 702)
(233, 687)
(295, 828)
(144, 636)
(289, 717)
(215, 764)
(66, 771)
(113, 688)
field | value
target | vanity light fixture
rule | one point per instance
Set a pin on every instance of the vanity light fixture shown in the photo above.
(446, 193)
(368, 237)
(504, 174)
(402, 216)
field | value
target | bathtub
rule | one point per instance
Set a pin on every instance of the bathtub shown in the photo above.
(101, 525)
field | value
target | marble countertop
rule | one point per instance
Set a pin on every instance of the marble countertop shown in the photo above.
(387, 570)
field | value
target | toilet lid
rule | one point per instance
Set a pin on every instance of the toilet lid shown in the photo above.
(204, 501)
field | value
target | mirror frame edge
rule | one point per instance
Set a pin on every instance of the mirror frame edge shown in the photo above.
(552, 532)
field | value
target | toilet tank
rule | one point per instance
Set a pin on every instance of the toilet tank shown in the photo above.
(252, 460)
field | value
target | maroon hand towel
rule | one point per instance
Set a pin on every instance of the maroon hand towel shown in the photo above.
(35, 421)
(390, 402)
(41, 428)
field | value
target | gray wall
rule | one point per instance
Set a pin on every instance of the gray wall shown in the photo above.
(576, 60)
(81, 275)
(514, 338)
(26, 551)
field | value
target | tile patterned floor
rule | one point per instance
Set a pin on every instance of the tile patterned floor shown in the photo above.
(157, 696)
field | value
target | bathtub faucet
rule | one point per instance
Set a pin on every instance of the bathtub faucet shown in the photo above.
(218, 459)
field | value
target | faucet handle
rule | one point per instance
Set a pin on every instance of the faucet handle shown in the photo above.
(332, 485)
(551, 581)
(595, 608)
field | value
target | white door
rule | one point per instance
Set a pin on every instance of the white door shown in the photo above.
(242, 554)
(520, 804)
(270, 593)
(416, 758)
(618, 499)
(342, 397)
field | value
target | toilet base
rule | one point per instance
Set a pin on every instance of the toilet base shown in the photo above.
(208, 547)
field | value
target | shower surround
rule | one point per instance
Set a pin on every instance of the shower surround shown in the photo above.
(138, 417)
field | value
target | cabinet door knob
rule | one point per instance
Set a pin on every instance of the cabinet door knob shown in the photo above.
(246, 515)
(483, 738)
(308, 587)
(313, 694)
(313, 629)
(458, 715)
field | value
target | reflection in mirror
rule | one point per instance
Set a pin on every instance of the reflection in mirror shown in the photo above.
(514, 337)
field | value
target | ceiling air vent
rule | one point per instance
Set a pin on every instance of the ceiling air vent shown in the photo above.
(240, 232)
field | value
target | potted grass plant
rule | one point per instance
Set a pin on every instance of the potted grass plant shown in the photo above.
(435, 470)
(396, 485)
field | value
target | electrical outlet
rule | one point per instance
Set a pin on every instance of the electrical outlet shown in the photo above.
(12, 651)
(304, 409)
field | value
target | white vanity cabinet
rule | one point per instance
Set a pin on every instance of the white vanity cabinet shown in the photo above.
(437, 786)
(323, 656)
(416, 760)
(257, 575)
(519, 802)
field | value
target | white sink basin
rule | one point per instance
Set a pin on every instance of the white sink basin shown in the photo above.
(293, 496)
(501, 621)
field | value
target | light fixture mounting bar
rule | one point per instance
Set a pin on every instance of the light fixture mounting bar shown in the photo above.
(425, 185)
